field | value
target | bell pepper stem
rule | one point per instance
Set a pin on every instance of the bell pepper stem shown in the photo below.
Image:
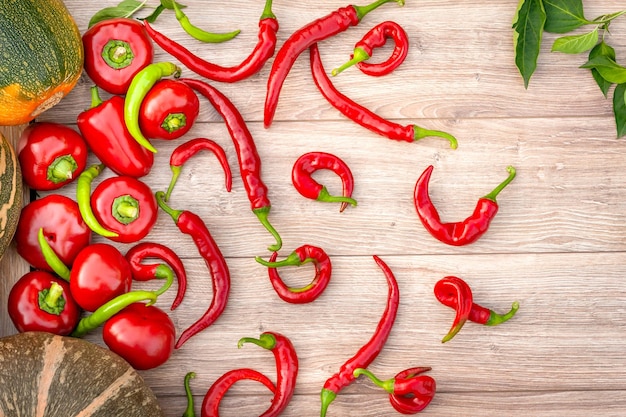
(420, 133)
(95, 97)
(266, 341)
(361, 11)
(262, 214)
(62, 169)
(495, 318)
(387, 384)
(51, 299)
(492, 195)
(359, 55)
(189, 411)
(51, 257)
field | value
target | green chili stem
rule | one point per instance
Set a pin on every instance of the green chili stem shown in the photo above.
(83, 197)
(189, 411)
(293, 259)
(327, 397)
(326, 197)
(62, 169)
(160, 198)
(266, 341)
(262, 214)
(495, 318)
(492, 195)
(95, 97)
(267, 11)
(361, 11)
(198, 33)
(163, 271)
(359, 55)
(176, 170)
(51, 257)
(387, 384)
(421, 133)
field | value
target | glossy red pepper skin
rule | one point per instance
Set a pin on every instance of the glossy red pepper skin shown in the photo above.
(456, 233)
(126, 45)
(40, 301)
(169, 110)
(51, 155)
(126, 206)
(105, 132)
(368, 352)
(63, 227)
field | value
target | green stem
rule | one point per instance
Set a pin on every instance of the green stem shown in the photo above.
(83, 197)
(160, 198)
(51, 257)
(492, 195)
(495, 318)
(262, 214)
(293, 259)
(267, 11)
(95, 97)
(361, 11)
(326, 197)
(163, 271)
(176, 170)
(174, 121)
(421, 133)
(125, 209)
(327, 397)
(266, 341)
(62, 169)
(51, 299)
(359, 55)
(189, 411)
(387, 384)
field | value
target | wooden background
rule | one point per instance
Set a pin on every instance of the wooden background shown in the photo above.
(558, 244)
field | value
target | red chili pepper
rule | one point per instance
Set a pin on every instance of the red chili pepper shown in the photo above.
(368, 352)
(375, 38)
(455, 293)
(63, 228)
(457, 233)
(115, 51)
(263, 51)
(144, 272)
(247, 155)
(187, 150)
(39, 301)
(51, 155)
(300, 256)
(103, 128)
(364, 116)
(322, 28)
(310, 162)
(192, 225)
(125, 206)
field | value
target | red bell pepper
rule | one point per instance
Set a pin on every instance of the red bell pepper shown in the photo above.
(51, 155)
(105, 132)
(115, 50)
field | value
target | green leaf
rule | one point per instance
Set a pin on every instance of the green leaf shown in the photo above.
(576, 44)
(126, 8)
(564, 15)
(602, 49)
(528, 25)
(619, 109)
(608, 69)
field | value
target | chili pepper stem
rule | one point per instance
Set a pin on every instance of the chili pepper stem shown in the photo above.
(327, 397)
(176, 170)
(359, 55)
(262, 214)
(160, 198)
(266, 341)
(51, 257)
(495, 318)
(292, 260)
(492, 195)
(361, 11)
(326, 197)
(189, 411)
(267, 11)
(420, 133)
(387, 384)
(95, 97)
(164, 272)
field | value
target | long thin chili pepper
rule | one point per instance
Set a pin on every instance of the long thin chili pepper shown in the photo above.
(310, 162)
(457, 233)
(192, 225)
(300, 256)
(51, 257)
(364, 116)
(252, 64)
(187, 150)
(201, 34)
(144, 271)
(322, 28)
(454, 292)
(139, 87)
(375, 38)
(368, 352)
(247, 155)
(83, 198)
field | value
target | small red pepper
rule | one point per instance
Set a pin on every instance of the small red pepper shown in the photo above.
(456, 293)
(187, 150)
(301, 256)
(463, 232)
(310, 162)
(115, 50)
(51, 155)
(375, 38)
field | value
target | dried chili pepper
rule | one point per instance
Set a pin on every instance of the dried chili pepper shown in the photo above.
(247, 155)
(368, 352)
(409, 391)
(310, 162)
(200, 34)
(322, 28)
(375, 38)
(364, 116)
(252, 64)
(187, 150)
(456, 293)
(300, 256)
(143, 272)
(457, 233)
(193, 225)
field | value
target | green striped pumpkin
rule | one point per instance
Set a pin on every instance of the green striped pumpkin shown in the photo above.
(10, 193)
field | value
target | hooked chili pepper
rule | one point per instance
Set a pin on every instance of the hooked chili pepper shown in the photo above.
(364, 116)
(83, 198)
(409, 391)
(322, 28)
(456, 293)
(375, 38)
(300, 256)
(368, 352)
(142, 83)
(457, 233)
(247, 155)
(252, 64)
(198, 33)
(187, 150)
(310, 162)
(192, 225)
(144, 272)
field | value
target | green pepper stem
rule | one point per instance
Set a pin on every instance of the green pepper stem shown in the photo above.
(95, 97)
(495, 318)
(293, 259)
(51, 257)
(83, 196)
(51, 299)
(361, 11)
(359, 55)
(163, 271)
(266, 341)
(387, 384)
(62, 169)
(189, 411)
(174, 121)
(262, 214)
(420, 133)
(176, 170)
(492, 195)
(267, 11)
(160, 199)
(326, 197)
(327, 397)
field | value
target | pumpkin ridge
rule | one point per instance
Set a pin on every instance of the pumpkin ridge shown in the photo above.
(109, 393)
(54, 352)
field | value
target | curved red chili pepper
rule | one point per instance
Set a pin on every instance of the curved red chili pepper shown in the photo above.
(300, 256)
(463, 232)
(375, 38)
(186, 150)
(192, 225)
(371, 349)
(144, 272)
(247, 155)
(364, 116)
(310, 162)
(315, 31)
(262, 52)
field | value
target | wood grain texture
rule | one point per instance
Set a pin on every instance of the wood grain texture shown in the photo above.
(557, 245)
